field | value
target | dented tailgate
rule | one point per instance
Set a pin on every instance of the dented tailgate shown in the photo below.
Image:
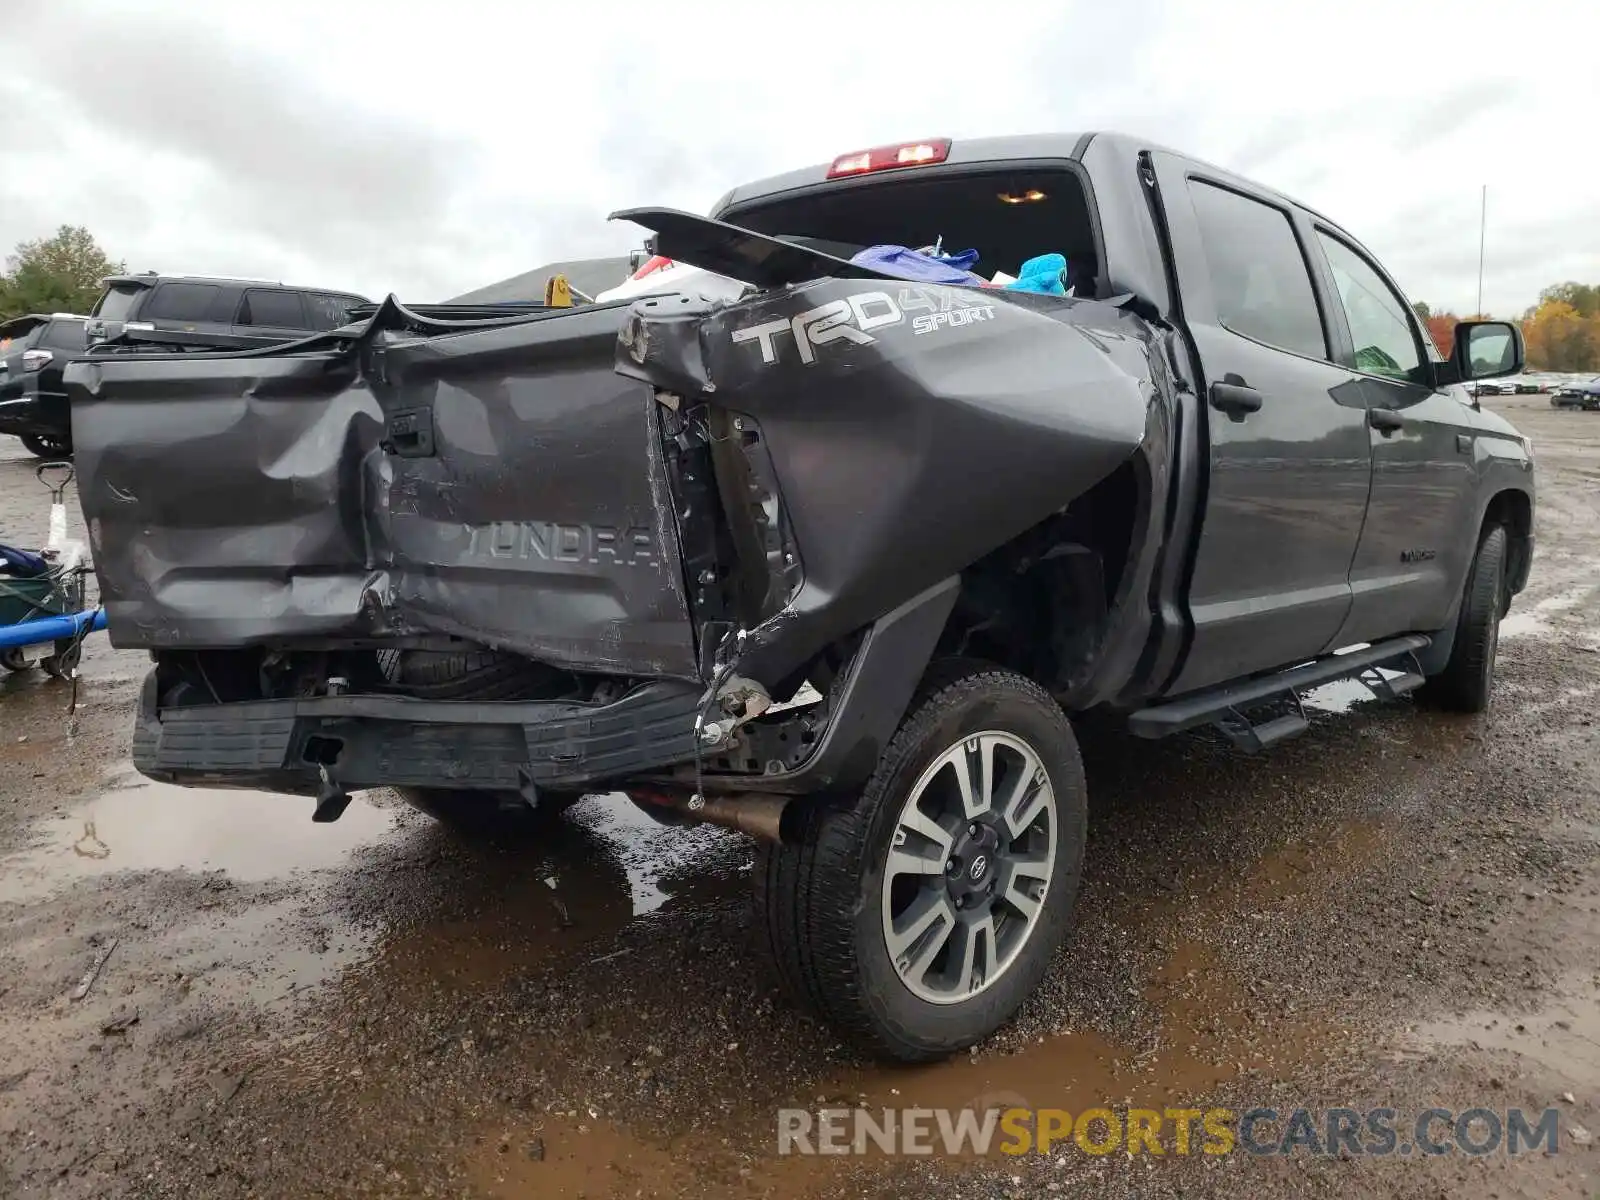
(499, 483)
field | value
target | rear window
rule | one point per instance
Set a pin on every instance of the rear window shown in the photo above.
(1258, 274)
(181, 302)
(279, 310)
(1007, 216)
(327, 311)
(117, 302)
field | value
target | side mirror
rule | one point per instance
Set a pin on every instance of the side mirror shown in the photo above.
(1486, 349)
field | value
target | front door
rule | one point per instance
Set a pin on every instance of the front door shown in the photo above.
(1290, 459)
(1414, 550)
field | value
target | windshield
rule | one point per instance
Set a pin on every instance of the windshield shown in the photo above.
(117, 302)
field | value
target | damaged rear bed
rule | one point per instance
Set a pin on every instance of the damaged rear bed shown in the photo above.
(645, 523)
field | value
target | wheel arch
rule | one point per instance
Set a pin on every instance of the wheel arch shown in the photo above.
(1512, 508)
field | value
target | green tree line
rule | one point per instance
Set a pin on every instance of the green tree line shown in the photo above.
(60, 273)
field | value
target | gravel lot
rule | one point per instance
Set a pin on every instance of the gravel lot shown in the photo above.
(1398, 909)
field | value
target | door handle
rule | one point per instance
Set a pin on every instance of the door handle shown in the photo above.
(1384, 420)
(1235, 397)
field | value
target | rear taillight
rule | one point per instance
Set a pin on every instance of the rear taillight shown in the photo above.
(651, 266)
(33, 360)
(887, 158)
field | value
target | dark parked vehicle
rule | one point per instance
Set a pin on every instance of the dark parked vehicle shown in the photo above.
(34, 350)
(834, 562)
(183, 311)
(1584, 395)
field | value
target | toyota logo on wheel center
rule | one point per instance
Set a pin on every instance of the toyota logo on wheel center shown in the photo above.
(979, 866)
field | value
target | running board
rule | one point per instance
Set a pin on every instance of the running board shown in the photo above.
(1224, 706)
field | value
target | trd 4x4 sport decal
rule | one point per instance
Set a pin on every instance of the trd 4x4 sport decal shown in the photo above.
(852, 319)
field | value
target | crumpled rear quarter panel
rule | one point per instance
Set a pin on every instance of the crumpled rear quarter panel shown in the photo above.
(907, 442)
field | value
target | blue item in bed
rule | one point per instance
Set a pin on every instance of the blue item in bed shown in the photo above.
(1041, 274)
(906, 263)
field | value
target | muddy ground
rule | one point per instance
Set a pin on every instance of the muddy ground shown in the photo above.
(1397, 910)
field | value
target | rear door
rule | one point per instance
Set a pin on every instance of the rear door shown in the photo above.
(1289, 456)
(1414, 550)
(179, 306)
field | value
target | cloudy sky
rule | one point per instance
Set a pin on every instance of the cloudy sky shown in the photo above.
(427, 149)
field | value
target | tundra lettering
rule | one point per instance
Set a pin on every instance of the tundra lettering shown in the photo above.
(555, 542)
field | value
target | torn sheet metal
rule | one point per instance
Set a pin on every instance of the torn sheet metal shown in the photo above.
(912, 428)
(505, 481)
(502, 484)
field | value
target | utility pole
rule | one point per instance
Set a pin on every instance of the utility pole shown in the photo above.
(1483, 226)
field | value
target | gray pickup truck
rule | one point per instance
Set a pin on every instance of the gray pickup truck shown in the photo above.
(832, 562)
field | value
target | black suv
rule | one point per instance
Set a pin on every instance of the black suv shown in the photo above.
(33, 404)
(219, 313)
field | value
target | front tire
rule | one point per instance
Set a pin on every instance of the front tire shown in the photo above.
(1465, 683)
(918, 917)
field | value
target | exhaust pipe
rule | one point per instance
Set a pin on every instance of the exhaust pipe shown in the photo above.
(760, 816)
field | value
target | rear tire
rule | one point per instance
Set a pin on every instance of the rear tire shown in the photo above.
(837, 903)
(14, 658)
(1465, 683)
(46, 445)
(479, 812)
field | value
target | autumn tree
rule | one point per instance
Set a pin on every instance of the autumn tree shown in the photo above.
(1442, 329)
(1584, 298)
(61, 273)
(1559, 336)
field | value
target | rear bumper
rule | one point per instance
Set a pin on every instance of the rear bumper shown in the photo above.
(25, 409)
(376, 740)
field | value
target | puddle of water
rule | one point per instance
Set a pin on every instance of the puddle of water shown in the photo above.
(490, 912)
(1211, 1031)
(1563, 1038)
(140, 825)
(589, 1158)
(1536, 620)
(267, 954)
(1340, 696)
(561, 1155)
(1297, 867)
(659, 859)
(1208, 1035)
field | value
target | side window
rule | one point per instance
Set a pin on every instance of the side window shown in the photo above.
(1385, 341)
(327, 311)
(280, 310)
(179, 302)
(1258, 274)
